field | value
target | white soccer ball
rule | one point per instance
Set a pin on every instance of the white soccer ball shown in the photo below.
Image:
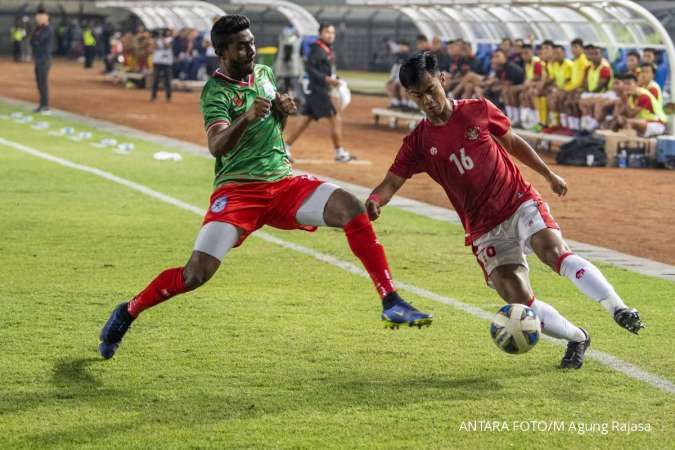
(515, 328)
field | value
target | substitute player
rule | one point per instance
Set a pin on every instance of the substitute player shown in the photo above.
(254, 186)
(464, 146)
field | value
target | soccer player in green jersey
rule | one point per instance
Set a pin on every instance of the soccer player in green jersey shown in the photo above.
(254, 186)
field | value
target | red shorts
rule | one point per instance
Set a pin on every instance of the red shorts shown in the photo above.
(249, 206)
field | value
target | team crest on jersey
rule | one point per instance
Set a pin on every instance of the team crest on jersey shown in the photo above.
(219, 204)
(238, 101)
(433, 151)
(472, 133)
(270, 91)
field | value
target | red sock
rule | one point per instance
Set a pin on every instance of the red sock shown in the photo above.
(167, 284)
(367, 248)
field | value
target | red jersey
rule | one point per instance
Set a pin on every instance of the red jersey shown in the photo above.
(479, 177)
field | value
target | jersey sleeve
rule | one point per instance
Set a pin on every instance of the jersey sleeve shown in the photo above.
(538, 69)
(655, 92)
(645, 102)
(215, 108)
(605, 72)
(409, 160)
(498, 123)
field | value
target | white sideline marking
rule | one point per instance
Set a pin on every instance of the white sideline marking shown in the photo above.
(626, 368)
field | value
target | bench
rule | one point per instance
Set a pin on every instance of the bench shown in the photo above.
(412, 118)
(187, 85)
(542, 141)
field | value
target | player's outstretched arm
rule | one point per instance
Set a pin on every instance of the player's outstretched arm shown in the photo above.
(522, 151)
(223, 138)
(383, 193)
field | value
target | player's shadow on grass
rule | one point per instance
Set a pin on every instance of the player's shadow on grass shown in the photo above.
(73, 373)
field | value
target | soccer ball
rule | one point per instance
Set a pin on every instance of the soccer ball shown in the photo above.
(515, 328)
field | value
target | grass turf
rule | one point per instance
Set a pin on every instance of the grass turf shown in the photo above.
(278, 350)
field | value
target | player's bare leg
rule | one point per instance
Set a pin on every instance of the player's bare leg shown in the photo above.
(513, 284)
(304, 123)
(331, 206)
(215, 239)
(552, 250)
(341, 155)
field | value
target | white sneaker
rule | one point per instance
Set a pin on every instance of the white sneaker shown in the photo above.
(343, 156)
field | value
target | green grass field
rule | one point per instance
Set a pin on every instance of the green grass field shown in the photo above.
(279, 350)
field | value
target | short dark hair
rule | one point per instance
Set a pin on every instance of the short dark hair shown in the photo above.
(634, 53)
(548, 42)
(527, 46)
(498, 50)
(413, 69)
(559, 46)
(404, 42)
(421, 37)
(627, 77)
(324, 25)
(649, 49)
(650, 65)
(589, 47)
(225, 27)
(578, 41)
(507, 39)
(41, 10)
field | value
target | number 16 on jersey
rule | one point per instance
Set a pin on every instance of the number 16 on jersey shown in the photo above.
(463, 163)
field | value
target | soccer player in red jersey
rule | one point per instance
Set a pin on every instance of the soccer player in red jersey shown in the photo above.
(466, 147)
(244, 116)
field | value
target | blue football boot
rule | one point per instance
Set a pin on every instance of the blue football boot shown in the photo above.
(401, 313)
(113, 330)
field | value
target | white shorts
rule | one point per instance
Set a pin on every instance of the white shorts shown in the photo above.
(609, 95)
(509, 242)
(655, 129)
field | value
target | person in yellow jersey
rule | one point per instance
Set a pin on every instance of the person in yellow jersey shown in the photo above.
(534, 71)
(89, 45)
(544, 85)
(646, 80)
(560, 71)
(18, 33)
(598, 95)
(571, 115)
(642, 111)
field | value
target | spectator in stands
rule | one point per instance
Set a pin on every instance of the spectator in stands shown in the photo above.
(321, 70)
(464, 74)
(422, 43)
(41, 41)
(597, 97)
(288, 65)
(646, 80)
(632, 63)
(649, 56)
(560, 71)
(642, 112)
(440, 52)
(571, 117)
(543, 86)
(398, 98)
(498, 86)
(534, 73)
(162, 61)
(211, 57)
(89, 45)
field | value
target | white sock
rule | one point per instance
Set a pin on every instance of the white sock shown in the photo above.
(563, 120)
(554, 324)
(516, 114)
(524, 116)
(509, 112)
(589, 280)
(592, 123)
(340, 151)
(573, 122)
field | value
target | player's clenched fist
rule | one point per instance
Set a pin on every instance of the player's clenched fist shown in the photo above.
(558, 184)
(285, 104)
(373, 209)
(260, 108)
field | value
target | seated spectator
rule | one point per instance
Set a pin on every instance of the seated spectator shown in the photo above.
(534, 72)
(646, 80)
(422, 43)
(597, 97)
(632, 63)
(465, 74)
(560, 71)
(649, 56)
(544, 85)
(571, 115)
(497, 87)
(398, 98)
(642, 111)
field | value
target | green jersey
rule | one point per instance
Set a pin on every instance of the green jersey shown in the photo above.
(260, 154)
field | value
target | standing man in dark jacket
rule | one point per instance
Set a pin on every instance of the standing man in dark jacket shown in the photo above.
(41, 43)
(320, 68)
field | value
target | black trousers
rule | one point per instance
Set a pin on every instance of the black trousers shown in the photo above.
(41, 74)
(89, 54)
(165, 72)
(16, 50)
